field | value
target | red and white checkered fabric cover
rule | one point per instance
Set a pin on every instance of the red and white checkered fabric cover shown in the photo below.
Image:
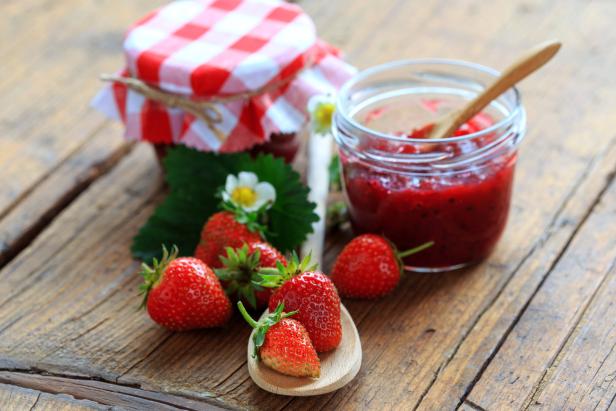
(217, 48)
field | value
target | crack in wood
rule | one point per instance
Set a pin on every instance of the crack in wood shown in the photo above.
(473, 405)
(38, 396)
(35, 274)
(156, 347)
(430, 384)
(231, 374)
(609, 406)
(69, 240)
(94, 172)
(38, 182)
(104, 392)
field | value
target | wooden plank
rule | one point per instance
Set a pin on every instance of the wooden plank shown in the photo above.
(517, 374)
(443, 314)
(582, 376)
(46, 292)
(457, 375)
(68, 337)
(84, 320)
(22, 223)
(102, 394)
(56, 52)
(67, 301)
(17, 399)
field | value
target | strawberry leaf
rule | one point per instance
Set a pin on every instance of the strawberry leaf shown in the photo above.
(195, 179)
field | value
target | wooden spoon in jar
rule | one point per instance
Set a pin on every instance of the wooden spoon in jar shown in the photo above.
(525, 65)
(338, 367)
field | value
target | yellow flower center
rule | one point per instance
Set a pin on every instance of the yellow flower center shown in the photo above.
(244, 196)
(323, 114)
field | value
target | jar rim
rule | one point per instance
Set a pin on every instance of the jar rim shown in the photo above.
(343, 94)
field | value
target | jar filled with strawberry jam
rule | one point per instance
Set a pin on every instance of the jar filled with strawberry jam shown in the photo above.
(400, 183)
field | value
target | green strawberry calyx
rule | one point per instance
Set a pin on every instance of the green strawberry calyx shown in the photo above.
(255, 221)
(263, 325)
(240, 268)
(153, 274)
(400, 255)
(275, 277)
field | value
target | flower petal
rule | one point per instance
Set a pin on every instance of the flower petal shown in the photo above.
(265, 192)
(247, 179)
(231, 183)
(257, 205)
(318, 100)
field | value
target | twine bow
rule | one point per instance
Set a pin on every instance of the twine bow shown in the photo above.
(204, 109)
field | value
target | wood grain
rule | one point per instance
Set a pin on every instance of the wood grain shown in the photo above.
(67, 298)
(21, 223)
(102, 395)
(52, 56)
(517, 374)
(476, 350)
(14, 398)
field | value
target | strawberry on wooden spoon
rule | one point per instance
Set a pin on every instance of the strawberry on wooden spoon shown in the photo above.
(282, 343)
(183, 293)
(369, 267)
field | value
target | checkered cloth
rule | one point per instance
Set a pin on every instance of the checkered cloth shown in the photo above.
(219, 48)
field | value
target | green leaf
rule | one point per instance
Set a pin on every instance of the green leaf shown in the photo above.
(195, 178)
(335, 179)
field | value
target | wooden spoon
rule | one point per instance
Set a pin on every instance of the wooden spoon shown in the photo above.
(338, 367)
(525, 65)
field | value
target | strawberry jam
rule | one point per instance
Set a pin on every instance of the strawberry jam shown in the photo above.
(455, 191)
(463, 211)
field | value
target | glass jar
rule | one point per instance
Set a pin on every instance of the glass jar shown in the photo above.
(455, 191)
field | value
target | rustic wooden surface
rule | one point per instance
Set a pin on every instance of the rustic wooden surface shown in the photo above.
(532, 327)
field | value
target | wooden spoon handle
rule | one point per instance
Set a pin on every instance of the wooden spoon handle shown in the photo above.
(525, 65)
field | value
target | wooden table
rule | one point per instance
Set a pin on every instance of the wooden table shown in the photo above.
(532, 327)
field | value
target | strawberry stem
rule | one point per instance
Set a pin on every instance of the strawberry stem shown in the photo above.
(269, 277)
(264, 324)
(247, 316)
(414, 250)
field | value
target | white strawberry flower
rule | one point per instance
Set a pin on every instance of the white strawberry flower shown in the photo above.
(321, 108)
(247, 192)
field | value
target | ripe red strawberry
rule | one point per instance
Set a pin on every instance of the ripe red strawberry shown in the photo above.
(222, 230)
(369, 267)
(312, 294)
(240, 269)
(184, 293)
(282, 343)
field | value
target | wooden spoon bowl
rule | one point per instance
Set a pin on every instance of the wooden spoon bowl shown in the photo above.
(338, 367)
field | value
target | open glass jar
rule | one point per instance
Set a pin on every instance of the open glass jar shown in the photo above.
(456, 191)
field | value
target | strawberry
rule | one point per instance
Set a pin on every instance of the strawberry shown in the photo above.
(223, 230)
(183, 293)
(240, 270)
(369, 267)
(282, 343)
(312, 294)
